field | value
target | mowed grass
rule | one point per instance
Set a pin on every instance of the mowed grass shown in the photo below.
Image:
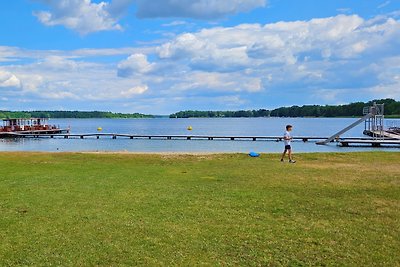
(207, 210)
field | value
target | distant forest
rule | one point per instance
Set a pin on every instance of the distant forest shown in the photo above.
(68, 114)
(392, 108)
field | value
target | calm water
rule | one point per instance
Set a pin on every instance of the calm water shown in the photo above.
(227, 126)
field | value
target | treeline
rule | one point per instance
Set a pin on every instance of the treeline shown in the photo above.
(221, 114)
(392, 108)
(69, 114)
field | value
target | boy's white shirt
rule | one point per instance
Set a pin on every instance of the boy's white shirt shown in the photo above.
(287, 138)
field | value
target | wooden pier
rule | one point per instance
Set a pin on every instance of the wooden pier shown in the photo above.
(345, 142)
(159, 137)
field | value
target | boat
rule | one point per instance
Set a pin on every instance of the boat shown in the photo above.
(35, 126)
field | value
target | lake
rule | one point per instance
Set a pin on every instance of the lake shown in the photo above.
(324, 127)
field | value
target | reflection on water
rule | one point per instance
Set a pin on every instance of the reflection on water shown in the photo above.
(216, 127)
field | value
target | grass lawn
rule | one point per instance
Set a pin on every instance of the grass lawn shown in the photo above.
(213, 210)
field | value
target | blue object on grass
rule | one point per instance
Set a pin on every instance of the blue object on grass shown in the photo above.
(254, 154)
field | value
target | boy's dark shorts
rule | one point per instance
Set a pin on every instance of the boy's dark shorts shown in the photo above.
(288, 147)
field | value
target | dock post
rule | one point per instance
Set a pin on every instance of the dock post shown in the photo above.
(81, 136)
(98, 137)
(114, 137)
(189, 138)
(254, 139)
(131, 137)
(232, 138)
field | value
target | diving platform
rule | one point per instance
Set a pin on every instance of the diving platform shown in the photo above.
(373, 120)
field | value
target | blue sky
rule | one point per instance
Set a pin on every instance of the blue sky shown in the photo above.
(163, 56)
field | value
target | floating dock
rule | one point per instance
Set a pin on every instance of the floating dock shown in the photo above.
(372, 142)
(34, 133)
(382, 134)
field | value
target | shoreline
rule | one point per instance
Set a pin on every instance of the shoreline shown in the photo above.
(185, 153)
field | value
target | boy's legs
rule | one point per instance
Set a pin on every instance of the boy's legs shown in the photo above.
(283, 154)
(291, 160)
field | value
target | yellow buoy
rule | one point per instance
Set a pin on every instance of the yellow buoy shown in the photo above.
(190, 128)
(99, 129)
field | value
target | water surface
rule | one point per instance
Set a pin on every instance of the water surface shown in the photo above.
(323, 127)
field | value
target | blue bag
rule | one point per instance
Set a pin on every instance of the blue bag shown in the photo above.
(254, 154)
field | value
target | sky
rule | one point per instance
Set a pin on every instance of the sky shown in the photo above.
(163, 56)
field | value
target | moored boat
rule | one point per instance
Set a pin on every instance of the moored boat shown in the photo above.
(29, 126)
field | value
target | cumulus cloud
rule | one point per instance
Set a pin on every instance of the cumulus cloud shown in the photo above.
(9, 80)
(306, 51)
(134, 64)
(199, 9)
(82, 16)
(204, 53)
(58, 63)
(137, 90)
(337, 57)
(339, 37)
(87, 16)
(329, 60)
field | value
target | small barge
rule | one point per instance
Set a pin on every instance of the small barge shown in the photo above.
(35, 126)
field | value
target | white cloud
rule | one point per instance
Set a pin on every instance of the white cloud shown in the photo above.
(58, 63)
(384, 4)
(82, 16)
(336, 59)
(137, 90)
(205, 52)
(202, 82)
(87, 16)
(199, 9)
(175, 23)
(31, 81)
(386, 90)
(283, 43)
(134, 64)
(9, 80)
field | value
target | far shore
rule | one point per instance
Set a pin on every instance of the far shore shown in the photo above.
(166, 117)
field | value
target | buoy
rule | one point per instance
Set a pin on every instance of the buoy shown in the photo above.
(99, 129)
(190, 128)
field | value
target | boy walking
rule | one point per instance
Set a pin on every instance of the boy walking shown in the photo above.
(287, 138)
